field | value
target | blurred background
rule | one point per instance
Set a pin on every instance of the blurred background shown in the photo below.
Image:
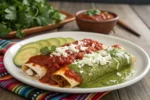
(111, 1)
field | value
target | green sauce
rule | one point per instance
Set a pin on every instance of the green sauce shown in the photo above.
(117, 70)
(111, 78)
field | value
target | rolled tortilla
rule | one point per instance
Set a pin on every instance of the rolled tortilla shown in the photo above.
(34, 70)
(120, 60)
(62, 80)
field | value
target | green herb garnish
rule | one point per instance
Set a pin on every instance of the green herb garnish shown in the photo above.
(93, 12)
(52, 48)
(26, 14)
(47, 50)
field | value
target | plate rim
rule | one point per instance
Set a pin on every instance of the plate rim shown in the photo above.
(81, 90)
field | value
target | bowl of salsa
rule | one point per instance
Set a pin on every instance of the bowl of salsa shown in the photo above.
(95, 20)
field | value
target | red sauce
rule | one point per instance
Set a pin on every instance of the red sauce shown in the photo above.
(54, 63)
(116, 46)
(102, 16)
(72, 74)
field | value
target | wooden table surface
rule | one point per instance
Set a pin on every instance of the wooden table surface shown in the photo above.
(137, 17)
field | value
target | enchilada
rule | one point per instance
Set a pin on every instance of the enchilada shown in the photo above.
(46, 65)
(104, 67)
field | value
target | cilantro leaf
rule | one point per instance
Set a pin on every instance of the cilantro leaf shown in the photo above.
(44, 51)
(52, 48)
(62, 17)
(42, 21)
(4, 31)
(11, 13)
(93, 12)
(47, 50)
(58, 16)
(26, 13)
(25, 2)
(20, 34)
(40, 1)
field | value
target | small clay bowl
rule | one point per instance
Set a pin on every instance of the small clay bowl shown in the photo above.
(101, 26)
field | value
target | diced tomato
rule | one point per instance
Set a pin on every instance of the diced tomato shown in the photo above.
(80, 55)
(60, 60)
(116, 46)
(54, 63)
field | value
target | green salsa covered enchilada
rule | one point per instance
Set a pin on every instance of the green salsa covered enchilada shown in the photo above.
(102, 68)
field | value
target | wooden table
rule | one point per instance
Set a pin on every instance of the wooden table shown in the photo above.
(137, 17)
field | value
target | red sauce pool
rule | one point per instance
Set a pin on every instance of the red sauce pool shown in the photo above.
(99, 17)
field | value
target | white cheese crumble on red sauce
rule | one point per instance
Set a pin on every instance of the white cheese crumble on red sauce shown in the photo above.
(83, 48)
(80, 42)
(61, 51)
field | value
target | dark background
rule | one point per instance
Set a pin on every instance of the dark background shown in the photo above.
(111, 1)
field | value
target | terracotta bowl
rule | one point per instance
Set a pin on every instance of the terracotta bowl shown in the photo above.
(103, 26)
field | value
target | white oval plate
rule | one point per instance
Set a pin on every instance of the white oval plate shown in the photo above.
(142, 64)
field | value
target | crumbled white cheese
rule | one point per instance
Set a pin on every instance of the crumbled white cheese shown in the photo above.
(90, 74)
(56, 54)
(81, 71)
(119, 74)
(87, 61)
(85, 43)
(127, 57)
(112, 80)
(80, 42)
(94, 58)
(83, 48)
(103, 53)
(117, 63)
(109, 48)
(61, 51)
(72, 47)
(29, 72)
(120, 54)
(108, 57)
(103, 61)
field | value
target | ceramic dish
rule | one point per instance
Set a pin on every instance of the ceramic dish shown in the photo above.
(142, 64)
(99, 26)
